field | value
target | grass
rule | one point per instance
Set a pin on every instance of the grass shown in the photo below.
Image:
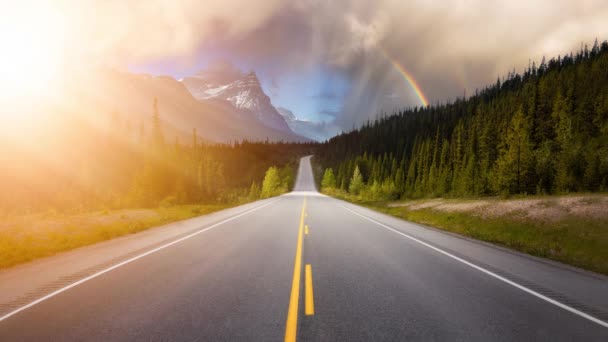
(28, 237)
(575, 240)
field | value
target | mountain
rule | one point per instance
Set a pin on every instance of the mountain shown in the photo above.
(319, 131)
(131, 96)
(243, 92)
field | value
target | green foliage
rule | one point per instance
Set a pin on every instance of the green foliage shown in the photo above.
(329, 180)
(515, 157)
(356, 182)
(59, 232)
(572, 240)
(287, 174)
(254, 192)
(277, 181)
(543, 131)
(272, 183)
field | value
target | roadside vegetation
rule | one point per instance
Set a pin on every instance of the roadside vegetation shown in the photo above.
(27, 237)
(83, 182)
(572, 229)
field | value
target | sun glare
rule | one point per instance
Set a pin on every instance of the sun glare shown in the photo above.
(32, 40)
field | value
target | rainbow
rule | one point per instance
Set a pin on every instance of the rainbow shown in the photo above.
(409, 78)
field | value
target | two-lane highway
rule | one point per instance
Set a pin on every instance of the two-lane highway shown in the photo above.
(305, 267)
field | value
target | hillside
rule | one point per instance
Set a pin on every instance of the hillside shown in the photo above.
(130, 96)
(540, 132)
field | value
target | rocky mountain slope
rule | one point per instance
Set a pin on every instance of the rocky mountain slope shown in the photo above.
(130, 97)
(244, 93)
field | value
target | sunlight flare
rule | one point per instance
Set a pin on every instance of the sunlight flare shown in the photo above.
(33, 45)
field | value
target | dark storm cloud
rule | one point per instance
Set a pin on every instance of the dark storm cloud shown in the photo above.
(451, 47)
(325, 95)
(448, 46)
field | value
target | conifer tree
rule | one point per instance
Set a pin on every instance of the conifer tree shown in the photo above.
(356, 182)
(329, 180)
(272, 183)
(515, 160)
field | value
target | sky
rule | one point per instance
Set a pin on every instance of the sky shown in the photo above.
(336, 61)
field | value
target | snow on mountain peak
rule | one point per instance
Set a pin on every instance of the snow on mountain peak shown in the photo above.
(244, 92)
(287, 114)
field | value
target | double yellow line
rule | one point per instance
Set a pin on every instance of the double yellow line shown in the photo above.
(294, 298)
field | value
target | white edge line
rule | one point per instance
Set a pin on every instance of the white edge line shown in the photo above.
(111, 268)
(488, 272)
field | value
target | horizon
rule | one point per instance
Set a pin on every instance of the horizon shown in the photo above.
(341, 68)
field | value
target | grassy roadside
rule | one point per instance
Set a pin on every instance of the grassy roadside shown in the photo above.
(539, 226)
(28, 237)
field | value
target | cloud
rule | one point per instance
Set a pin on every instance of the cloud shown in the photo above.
(325, 95)
(328, 112)
(448, 45)
(120, 32)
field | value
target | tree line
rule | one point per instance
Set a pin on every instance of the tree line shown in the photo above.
(77, 163)
(543, 131)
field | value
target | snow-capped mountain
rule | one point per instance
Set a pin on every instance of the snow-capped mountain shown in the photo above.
(103, 91)
(242, 91)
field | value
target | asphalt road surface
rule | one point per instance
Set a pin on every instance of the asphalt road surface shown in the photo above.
(302, 267)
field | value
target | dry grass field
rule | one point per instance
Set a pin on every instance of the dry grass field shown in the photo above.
(27, 237)
(572, 229)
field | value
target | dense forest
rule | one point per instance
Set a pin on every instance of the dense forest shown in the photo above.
(541, 132)
(105, 163)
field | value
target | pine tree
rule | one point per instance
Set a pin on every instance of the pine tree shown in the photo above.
(516, 158)
(566, 159)
(272, 183)
(356, 182)
(329, 180)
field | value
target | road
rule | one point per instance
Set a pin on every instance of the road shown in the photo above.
(302, 267)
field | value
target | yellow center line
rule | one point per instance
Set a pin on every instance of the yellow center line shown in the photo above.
(309, 307)
(306, 229)
(294, 299)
